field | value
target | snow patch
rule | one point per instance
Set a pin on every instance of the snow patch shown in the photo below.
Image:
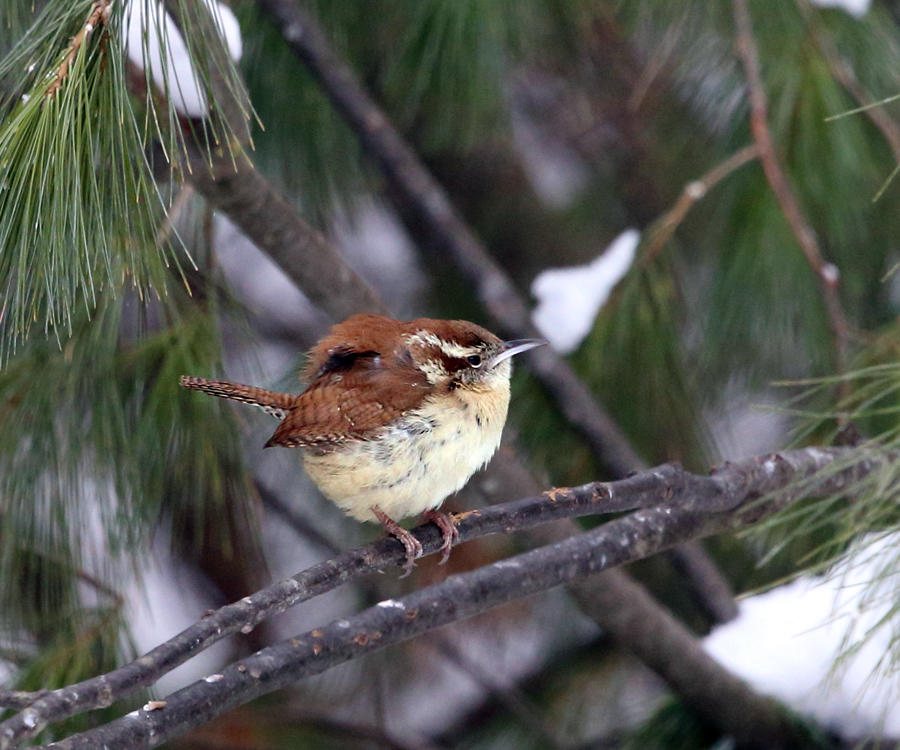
(570, 298)
(785, 642)
(152, 39)
(856, 8)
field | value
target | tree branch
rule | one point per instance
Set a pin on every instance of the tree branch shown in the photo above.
(845, 75)
(227, 179)
(272, 224)
(244, 615)
(677, 506)
(735, 496)
(664, 227)
(827, 274)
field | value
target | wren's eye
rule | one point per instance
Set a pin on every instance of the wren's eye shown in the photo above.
(474, 360)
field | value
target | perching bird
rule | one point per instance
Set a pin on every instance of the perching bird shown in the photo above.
(397, 415)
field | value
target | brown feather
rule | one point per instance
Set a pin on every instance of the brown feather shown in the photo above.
(274, 403)
(365, 332)
(363, 379)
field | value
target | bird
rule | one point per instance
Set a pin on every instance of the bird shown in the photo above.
(396, 416)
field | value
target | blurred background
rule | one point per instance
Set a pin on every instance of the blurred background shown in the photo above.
(602, 154)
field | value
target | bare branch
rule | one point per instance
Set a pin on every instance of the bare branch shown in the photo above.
(742, 493)
(19, 699)
(687, 506)
(244, 615)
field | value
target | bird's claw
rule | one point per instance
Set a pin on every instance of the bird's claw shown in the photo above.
(413, 549)
(412, 545)
(449, 532)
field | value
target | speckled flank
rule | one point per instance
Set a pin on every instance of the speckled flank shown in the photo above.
(443, 444)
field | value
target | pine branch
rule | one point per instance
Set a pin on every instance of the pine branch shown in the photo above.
(274, 226)
(827, 274)
(99, 15)
(664, 227)
(231, 183)
(843, 72)
(675, 506)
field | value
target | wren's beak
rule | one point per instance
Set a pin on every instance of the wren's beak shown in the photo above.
(511, 348)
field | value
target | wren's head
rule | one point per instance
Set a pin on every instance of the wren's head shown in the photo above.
(457, 354)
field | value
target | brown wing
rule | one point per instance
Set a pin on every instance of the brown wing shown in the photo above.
(358, 335)
(354, 394)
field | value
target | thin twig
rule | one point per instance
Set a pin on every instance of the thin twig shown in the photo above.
(742, 493)
(664, 227)
(702, 505)
(827, 274)
(842, 71)
(98, 16)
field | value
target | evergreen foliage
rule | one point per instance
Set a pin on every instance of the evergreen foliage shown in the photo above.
(102, 306)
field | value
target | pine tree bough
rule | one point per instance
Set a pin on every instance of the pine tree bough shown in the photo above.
(827, 274)
(670, 507)
(98, 16)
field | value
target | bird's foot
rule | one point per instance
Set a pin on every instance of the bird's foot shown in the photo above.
(444, 521)
(412, 545)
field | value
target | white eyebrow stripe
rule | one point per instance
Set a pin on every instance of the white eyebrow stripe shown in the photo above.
(423, 338)
(455, 350)
(451, 349)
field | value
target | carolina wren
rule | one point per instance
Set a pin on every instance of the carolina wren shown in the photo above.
(397, 415)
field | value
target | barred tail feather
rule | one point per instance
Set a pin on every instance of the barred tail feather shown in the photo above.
(276, 404)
